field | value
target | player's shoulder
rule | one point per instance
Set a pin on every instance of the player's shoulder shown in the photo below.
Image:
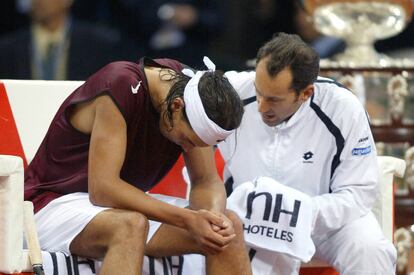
(118, 73)
(120, 68)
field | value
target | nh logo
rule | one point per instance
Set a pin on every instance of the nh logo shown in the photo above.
(277, 210)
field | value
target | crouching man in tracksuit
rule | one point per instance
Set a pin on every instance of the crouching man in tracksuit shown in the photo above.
(311, 134)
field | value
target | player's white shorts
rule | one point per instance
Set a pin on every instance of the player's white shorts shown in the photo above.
(60, 221)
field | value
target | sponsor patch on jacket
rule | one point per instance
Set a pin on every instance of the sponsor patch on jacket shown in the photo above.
(363, 139)
(361, 151)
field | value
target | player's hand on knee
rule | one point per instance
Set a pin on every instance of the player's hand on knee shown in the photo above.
(201, 227)
(227, 228)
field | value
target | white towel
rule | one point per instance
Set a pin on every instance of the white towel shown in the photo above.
(276, 217)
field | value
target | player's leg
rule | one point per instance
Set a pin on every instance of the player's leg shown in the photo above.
(71, 224)
(169, 240)
(117, 236)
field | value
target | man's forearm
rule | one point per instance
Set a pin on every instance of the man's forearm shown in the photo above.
(129, 197)
(208, 196)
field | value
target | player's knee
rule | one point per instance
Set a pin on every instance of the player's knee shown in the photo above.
(130, 226)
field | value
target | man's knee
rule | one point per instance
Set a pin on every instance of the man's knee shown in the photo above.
(129, 226)
(373, 247)
(381, 251)
(110, 228)
(359, 244)
(367, 256)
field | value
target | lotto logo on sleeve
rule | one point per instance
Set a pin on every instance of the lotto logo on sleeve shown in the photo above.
(361, 151)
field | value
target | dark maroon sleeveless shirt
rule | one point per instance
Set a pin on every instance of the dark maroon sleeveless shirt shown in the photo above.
(61, 163)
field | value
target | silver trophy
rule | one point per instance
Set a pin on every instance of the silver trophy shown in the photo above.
(360, 24)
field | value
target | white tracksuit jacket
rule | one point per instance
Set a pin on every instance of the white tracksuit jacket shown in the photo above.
(325, 150)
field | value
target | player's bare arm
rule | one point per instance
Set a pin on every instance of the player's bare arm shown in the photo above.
(207, 188)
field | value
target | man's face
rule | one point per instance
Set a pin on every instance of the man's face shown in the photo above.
(277, 101)
(180, 131)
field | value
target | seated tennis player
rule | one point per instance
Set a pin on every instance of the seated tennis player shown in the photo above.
(112, 140)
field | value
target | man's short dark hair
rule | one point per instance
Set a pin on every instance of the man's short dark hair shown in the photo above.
(289, 50)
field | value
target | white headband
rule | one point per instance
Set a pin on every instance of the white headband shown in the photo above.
(203, 126)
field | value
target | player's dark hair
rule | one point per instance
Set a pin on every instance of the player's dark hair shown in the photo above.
(289, 50)
(221, 102)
